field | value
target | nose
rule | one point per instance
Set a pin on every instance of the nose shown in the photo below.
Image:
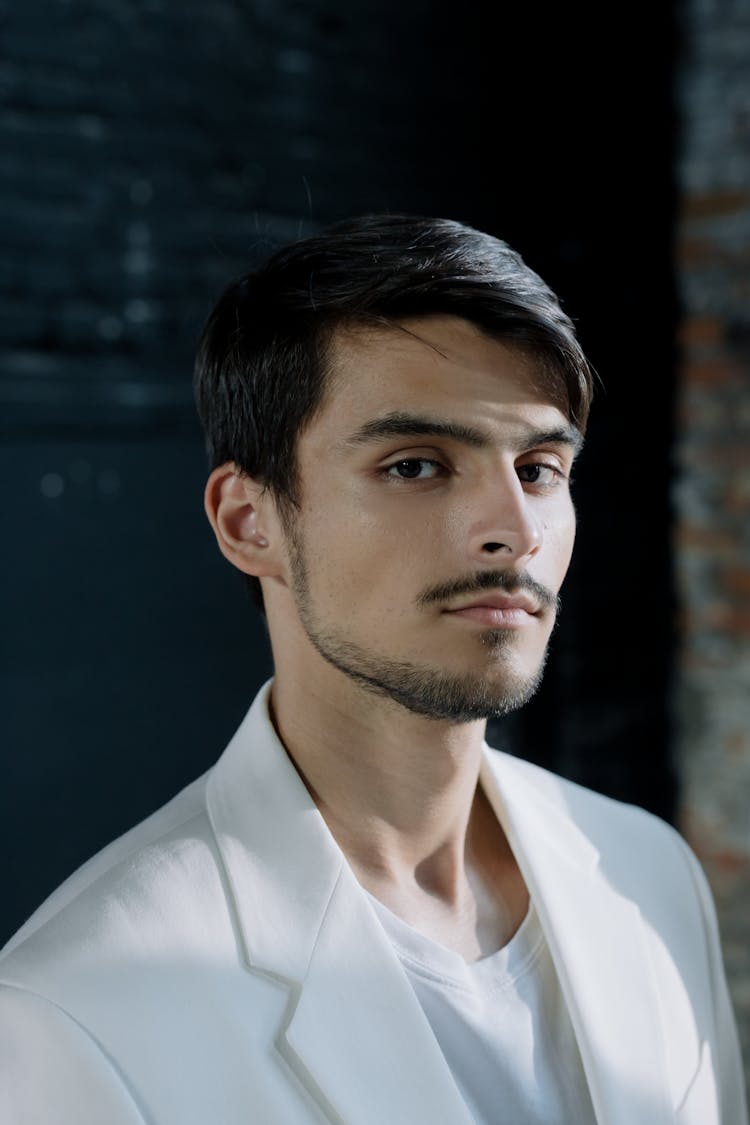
(503, 529)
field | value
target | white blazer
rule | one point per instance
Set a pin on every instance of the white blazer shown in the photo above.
(220, 965)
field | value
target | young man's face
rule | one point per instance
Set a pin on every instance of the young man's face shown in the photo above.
(434, 478)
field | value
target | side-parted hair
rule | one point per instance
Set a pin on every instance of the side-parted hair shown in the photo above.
(262, 367)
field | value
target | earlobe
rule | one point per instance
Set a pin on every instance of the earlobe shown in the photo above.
(237, 511)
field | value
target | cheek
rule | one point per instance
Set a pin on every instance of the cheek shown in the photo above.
(364, 563)
(559, 537)
(347, 555)
(365, 526)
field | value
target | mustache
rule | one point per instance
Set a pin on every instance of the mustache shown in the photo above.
(505, 580)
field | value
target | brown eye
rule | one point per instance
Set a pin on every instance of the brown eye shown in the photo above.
(538, 472)
(411, 468)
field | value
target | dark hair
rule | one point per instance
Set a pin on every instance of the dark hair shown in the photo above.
(262, 365)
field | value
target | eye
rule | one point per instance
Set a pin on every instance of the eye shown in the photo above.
(412, 468)
(542, 474)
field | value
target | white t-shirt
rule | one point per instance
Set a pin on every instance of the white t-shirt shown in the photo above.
(502, 1025)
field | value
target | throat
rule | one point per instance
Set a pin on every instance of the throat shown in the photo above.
(473, 905)
(478, 925)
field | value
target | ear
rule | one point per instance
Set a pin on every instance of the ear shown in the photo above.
(244, 521)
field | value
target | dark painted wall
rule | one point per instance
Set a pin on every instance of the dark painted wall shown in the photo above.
(151, 151)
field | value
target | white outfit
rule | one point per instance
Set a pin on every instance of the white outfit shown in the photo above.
(502, 1024)
(220, 964)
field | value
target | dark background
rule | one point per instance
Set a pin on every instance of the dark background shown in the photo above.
(149, 152)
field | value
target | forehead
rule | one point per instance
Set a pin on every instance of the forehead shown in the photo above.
(442, 364)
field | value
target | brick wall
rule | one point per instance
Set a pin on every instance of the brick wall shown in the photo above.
(712, 492)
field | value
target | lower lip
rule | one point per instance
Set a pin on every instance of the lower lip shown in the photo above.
(492, 615)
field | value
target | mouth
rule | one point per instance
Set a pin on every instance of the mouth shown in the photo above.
(498, 610)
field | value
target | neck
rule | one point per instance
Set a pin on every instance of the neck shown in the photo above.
(396, 789)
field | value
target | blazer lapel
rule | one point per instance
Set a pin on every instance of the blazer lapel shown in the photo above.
(360, 1031)
(598, 943)
(356, 1035)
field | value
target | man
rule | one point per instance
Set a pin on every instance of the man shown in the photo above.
(362, 914)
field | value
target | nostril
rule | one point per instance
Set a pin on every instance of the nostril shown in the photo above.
(493, 547)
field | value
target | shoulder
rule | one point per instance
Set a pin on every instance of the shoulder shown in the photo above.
(151, 888)
(618, 847)
(52, 1069)
(640, 854)
(596, 814)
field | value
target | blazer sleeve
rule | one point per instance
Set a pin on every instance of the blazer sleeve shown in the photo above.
(52, 1072)
(726, 1056)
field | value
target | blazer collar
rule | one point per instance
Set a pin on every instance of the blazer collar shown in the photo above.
(281, 860)
(303, 918)
(355, 1026)
(598, 942)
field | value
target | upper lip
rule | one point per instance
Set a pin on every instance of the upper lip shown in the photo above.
(500, 601)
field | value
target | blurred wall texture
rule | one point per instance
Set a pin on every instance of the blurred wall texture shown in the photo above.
(712, 486)
(151, 151)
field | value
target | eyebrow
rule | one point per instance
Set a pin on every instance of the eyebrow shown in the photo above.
(399, 424)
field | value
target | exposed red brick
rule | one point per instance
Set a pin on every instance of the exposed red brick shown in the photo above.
(726, 202)
(696, 830)
(712, 618)
(697, 331)
(734, 452)
(691, 253)
(737, 744)
(721, 619)
(701, 411)
(694, 254)
(696, 537)
(706, 841)
(714, 454)
(736, 579)
(737, 501)
(729, 861)
(738, 623)
(714, 372)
